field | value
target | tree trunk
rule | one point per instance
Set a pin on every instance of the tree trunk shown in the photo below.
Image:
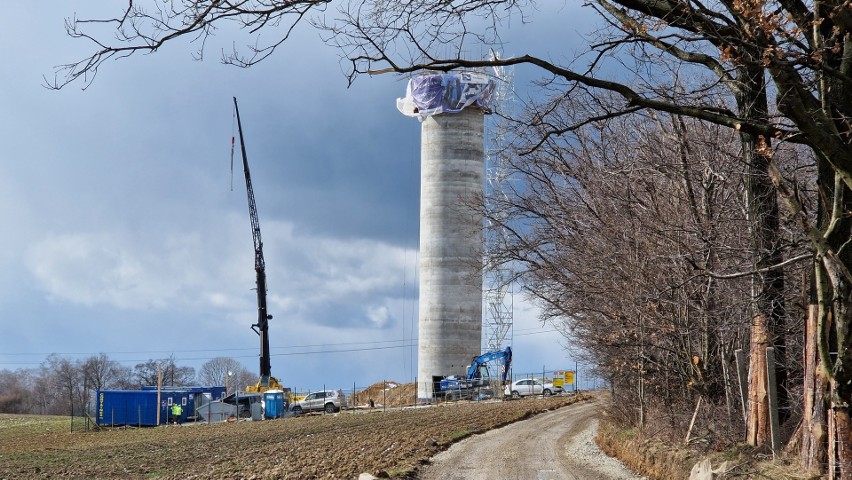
(768, 286)
(834, 259)
(812, 450)
(840, 385)
(757, 431)
(834, 317)
(828, 378)
(843, 432)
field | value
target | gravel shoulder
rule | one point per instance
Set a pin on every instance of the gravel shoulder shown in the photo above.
(554, 445)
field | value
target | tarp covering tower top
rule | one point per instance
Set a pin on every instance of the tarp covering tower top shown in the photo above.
(446, 93)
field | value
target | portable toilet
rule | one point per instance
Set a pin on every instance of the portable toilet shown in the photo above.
(274, 401)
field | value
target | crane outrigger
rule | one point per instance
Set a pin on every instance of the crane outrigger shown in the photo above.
(266, 380)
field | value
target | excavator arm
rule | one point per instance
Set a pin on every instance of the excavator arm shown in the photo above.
(474, 371)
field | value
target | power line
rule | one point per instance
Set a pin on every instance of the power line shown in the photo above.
(404, 343)
(535, 333)
(410, 343)
(134, 352)
(287, 354)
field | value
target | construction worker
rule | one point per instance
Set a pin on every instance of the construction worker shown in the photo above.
(177, 410)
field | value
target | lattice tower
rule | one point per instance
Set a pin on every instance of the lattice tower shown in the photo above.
(497, 282)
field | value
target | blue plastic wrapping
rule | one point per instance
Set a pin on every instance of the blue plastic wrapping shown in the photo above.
(446, 93)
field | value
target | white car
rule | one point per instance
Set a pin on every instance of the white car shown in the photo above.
(528, 386)
(329, 401)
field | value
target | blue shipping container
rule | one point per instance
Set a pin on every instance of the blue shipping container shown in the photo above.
(127, 407)
(139, 407)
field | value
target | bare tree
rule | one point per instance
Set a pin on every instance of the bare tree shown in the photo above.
(44, 393)
(144, 28)
(146, 373)
(616, 238)
(61, 386)
(749, 49)
(102, 373)
(15, 391)
(225, 371)
(245, 378)
(66, 377)
(625, 231)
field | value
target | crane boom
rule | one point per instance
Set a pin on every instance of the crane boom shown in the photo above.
(266, 380)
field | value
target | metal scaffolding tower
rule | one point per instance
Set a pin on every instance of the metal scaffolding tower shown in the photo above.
(498, 278)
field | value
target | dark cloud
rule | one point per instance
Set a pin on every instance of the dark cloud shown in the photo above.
(120, 227)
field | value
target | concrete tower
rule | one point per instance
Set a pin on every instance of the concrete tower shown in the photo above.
(452, 171)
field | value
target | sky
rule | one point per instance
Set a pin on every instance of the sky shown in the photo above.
(122, 233)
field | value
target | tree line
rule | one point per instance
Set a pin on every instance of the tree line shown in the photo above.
(64, 386)
(634, 236)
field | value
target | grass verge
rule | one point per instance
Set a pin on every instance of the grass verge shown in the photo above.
(658, 459)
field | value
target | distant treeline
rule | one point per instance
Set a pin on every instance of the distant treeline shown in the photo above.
(63, 386)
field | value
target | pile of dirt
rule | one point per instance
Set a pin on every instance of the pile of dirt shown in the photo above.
(339, 446)
(386, 393)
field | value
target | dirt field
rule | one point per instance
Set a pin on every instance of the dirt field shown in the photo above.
(393, 443)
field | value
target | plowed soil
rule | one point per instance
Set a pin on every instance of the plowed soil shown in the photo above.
(340, 446)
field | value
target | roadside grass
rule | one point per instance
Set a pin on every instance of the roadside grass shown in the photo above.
(660, 459)
(457, 435)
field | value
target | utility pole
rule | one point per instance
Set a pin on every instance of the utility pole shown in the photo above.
(159, 390)
(576, 377)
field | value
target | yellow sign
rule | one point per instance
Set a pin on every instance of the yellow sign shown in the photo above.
(569, 377)
(558, 382)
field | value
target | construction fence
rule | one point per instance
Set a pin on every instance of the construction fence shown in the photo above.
(399, 394)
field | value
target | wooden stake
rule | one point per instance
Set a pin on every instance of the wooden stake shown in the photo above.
(692, 423)
(742, 377)
(774, 427)
(159, 390)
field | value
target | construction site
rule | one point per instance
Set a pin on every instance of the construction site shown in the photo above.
(653, 197)
(387, 429)
(461, 353)
(385, 444)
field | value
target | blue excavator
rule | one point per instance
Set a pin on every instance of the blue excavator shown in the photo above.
(479, 375)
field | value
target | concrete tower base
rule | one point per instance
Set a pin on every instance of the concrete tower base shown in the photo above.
(452, 174)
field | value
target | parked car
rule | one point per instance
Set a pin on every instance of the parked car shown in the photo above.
(239, 405)
(329, 401)
(529, 386)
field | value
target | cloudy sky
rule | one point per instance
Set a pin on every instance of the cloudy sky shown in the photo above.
(121, 233)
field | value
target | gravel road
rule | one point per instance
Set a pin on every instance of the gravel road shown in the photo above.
(553, 445)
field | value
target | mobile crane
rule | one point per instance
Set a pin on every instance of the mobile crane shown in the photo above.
(266, 380)
(454, 388)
